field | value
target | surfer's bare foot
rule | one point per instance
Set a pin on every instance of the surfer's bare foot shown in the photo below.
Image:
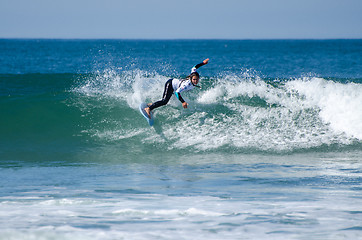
(148, 111)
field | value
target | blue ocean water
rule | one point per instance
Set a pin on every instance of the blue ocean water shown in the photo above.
(269, 148)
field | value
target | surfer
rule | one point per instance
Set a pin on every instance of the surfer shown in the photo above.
(177, 86)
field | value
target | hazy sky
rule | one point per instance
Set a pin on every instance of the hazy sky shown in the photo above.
(174, 19)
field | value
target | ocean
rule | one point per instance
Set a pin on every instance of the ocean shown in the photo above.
(269, 148)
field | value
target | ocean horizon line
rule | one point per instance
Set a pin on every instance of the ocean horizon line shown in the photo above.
(181, 39)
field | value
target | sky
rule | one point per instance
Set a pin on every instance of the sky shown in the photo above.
(181, 19)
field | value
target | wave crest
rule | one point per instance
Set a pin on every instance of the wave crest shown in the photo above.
(237, 112)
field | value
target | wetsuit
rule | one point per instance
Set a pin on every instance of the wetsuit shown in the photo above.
(177, 86)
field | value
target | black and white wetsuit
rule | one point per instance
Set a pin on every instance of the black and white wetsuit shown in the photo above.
(176, 86)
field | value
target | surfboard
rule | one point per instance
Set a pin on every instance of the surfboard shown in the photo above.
(143, 112)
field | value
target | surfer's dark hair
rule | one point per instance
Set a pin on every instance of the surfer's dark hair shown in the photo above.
(193, 74)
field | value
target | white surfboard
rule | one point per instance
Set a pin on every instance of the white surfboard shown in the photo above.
(143, 112)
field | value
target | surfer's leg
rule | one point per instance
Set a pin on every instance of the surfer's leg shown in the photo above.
(167, 94)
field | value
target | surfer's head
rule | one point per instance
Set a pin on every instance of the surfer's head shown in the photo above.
(194, 77)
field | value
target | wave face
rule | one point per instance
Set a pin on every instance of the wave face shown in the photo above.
(239, 113)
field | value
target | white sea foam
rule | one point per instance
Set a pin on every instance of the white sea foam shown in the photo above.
(167, 213)
(303, 113)
(340, 104)
(199, 217)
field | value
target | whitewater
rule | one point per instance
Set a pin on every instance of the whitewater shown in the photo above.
(239, 112)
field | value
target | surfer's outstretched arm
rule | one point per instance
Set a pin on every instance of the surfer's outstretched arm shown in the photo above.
(194, 68)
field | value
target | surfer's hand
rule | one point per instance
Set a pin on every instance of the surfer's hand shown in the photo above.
(184, 104)
(205, 61)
